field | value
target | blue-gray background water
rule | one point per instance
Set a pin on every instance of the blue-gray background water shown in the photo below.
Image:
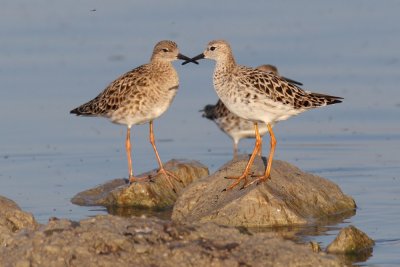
(55, 55)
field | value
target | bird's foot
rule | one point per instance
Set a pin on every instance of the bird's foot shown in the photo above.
(259, 179)
(150, 178)
(169, 175)
(238, 180)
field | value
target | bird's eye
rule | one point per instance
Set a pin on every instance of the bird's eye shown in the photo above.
(212, 48)
(165, 50)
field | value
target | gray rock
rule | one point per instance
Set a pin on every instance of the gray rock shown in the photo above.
(290, 197)
(115, 241)
(350, 240)
(154, 193)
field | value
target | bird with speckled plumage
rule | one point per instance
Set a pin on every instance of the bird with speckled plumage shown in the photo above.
(234, 126)
(140, 96)
(258, 96)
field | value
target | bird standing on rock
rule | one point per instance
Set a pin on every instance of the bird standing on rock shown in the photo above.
(234, 126)
(258, 96)
(140, 96)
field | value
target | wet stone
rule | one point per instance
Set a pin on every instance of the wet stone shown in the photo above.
(115, 241)
(291, 197)
(155, 192)
(350, 240)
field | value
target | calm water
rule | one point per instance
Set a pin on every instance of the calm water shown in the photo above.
(56, 55)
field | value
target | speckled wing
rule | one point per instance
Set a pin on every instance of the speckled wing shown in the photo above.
(280, 90)
(114, 96)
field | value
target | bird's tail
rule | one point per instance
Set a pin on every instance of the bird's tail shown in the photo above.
(326, 99)
(87, 109)
(77, 111)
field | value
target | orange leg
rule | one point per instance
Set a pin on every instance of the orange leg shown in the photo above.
(153, 143)
(128, 151)
(128, 154)
(161, 167)
(249, 163)
(267, 174)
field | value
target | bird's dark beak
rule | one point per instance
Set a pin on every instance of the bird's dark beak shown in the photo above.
(187, 59)
(201, 56)
(291, 81)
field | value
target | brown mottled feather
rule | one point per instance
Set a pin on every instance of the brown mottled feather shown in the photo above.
(259, 97)
(280, 90)
(140, 95)
(231, 124)
(116, 93)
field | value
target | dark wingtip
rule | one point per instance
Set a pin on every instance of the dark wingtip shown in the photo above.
(291, 81)
(75, 111)
(329, 99)
(335, 101)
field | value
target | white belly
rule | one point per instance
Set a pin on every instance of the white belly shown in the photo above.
(145, 112)
(263, 110)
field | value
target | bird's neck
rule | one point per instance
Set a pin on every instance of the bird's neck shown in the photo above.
(223, 72)
(225, 65)
(161, 63)
(165, 72)
(162, 66)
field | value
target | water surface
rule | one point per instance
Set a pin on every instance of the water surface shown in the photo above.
(56, 55)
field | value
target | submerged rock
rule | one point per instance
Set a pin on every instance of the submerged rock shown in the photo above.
(154, 193)
(350, 240)
(115, 241)
(290, 197)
